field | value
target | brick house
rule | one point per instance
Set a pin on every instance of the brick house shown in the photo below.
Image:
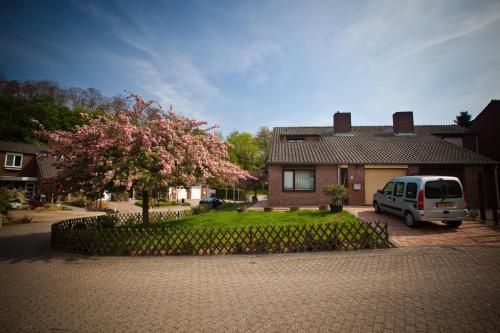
(23, 168)
(364, 158)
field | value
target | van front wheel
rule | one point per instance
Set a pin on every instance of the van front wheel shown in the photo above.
(410, 220)
(454, 224)
(377, 208)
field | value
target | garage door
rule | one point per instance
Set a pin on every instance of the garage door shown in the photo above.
(376, 178)
(196, 192)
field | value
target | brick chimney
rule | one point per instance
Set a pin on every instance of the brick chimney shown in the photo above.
(402, 122)
(342, 122)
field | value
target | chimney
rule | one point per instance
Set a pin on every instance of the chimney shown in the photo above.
(342, 122)
(402, 122)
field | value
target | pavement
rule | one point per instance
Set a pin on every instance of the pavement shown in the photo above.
(413, 289)
(431, 233)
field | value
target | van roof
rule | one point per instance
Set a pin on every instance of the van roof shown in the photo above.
(425, 177)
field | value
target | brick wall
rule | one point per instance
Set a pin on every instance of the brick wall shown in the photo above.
(471, 185)
(413, 170)
(325, 174)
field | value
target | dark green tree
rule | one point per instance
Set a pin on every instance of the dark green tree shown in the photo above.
(463, 119)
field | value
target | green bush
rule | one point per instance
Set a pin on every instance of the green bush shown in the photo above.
(200, 209)
(337, 193)
(79, 202)
(10, 195)
(139, 203)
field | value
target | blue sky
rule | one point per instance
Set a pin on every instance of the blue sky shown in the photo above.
(246, 64)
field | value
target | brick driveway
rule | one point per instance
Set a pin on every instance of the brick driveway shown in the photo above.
(414, 289)
(435, 233)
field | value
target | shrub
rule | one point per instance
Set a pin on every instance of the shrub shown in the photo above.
(11, 198)
(268, 209)
(294, 209)
(79, 202)
(108, 221)
(337, 193)
(242, 209)
(200, 209)
(52, 207)
(139, 203)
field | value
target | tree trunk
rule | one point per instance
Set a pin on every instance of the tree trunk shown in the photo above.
(145, 207)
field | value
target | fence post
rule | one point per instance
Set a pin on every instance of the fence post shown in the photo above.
(289, 243)
(482, 209)
(178, 214)
(211, 239)
(250, 237)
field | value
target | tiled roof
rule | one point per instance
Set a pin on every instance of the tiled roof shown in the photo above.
(372, 145)
(25, 148)
(46, 167)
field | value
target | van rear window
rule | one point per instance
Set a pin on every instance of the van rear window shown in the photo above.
(440, 189)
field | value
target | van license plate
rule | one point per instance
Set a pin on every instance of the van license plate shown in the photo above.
(444, 204)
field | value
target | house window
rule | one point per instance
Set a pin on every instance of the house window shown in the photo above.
(298, 180)
(14, 161)
(295, 138)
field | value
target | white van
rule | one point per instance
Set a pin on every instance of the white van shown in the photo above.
(423, 198)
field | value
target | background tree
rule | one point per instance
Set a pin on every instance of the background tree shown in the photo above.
(127, 148)
(264, 138)
(50, 105)
(463, 119)
(244, 150)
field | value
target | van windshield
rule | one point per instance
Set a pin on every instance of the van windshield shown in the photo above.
(442, 189)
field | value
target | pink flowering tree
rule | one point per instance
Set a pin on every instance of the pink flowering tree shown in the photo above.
(135, 148)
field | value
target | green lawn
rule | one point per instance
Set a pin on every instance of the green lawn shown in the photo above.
(254, 218)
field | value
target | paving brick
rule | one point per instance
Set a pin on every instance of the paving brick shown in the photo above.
(470, 233)
(414, 289)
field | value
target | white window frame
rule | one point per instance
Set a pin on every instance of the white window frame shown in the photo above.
(13, 166)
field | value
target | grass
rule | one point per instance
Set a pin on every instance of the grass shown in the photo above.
(255, 218)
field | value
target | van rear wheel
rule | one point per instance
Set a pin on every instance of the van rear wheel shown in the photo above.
(410, 220)
(454, 224)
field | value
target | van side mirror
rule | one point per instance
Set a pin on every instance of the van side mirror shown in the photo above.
(379, 191)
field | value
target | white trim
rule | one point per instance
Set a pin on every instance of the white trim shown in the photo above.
(13, 166)
(18, 179)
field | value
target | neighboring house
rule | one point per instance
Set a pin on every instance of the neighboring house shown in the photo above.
(23, 168)
(195, 192)
(486, 126)
(364, 158)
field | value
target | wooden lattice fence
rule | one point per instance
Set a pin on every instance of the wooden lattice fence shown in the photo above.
(122, 234)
